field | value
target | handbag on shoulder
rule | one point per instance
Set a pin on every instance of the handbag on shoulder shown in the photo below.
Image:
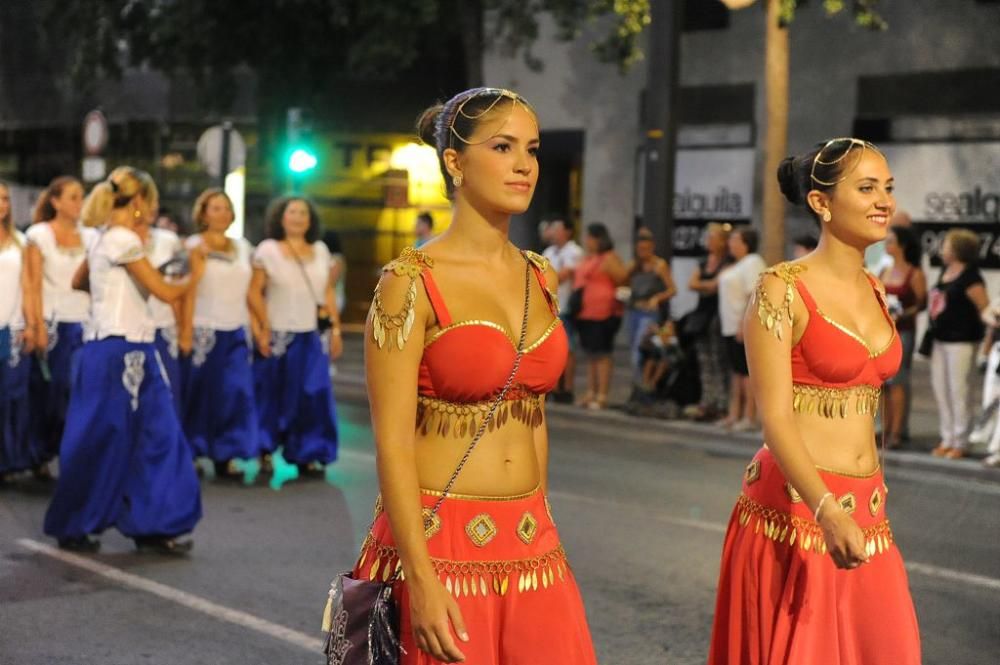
(361, 618)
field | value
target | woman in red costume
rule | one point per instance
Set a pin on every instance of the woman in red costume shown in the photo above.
(485, 579)
(810, 570)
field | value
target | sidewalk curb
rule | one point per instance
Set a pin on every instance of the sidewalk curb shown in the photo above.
(920, 461)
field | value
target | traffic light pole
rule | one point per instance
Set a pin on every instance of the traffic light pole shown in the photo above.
(227, 130)
(660, 147)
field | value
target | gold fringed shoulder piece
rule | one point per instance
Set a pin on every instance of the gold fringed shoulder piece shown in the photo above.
(396, 327)
(545, 266)
(773, 317)
(538, 260)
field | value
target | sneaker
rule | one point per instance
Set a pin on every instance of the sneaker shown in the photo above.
(992, 461)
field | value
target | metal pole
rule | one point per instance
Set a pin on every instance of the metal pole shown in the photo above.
(227, 129)
(660, 147)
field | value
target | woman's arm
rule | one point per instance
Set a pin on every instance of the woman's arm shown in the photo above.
(541, 434)
(615, 268)
(768, 351)
(33, 270)
(330, 302)
(977, 294)
(667, 276)
(31, 324)
(258, 311)
(151, 279)
(392, 393)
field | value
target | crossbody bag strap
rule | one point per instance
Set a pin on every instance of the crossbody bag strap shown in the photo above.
(493, 407)
(305, 275)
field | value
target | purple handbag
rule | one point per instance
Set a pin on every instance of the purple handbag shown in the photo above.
(361, 617)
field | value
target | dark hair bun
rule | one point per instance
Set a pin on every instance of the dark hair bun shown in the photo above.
(427, 124)
(788, 181)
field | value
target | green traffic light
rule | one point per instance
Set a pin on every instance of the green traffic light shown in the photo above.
(301, 160)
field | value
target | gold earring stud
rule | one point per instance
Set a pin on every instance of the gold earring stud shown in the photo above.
(456, 180)
(827, 216)
(136, 214)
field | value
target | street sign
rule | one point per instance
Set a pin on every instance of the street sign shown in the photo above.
(210, 148)
(95, 133)
(93, 169)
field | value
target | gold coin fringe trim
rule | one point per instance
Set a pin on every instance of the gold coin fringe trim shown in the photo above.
(395, 328)
(463, 420)
(806, 534)
(833, 402)
(474, 578)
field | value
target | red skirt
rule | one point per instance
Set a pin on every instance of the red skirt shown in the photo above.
(501, 558)
(781, 599)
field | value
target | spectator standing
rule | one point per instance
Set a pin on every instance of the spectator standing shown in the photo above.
(651, 286)
(424, 229)
(955, 332)
(736, 283)
(599, 317)
(906, 295)
(702, 325)
(564, 254)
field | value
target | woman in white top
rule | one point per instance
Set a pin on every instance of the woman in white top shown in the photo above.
(16, 342)
(290, 290)
(220, 411)
(736, 283)
(165, 252)
(124, 460)
(57, 245)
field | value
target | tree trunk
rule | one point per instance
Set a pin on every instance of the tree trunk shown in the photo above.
(776, 132)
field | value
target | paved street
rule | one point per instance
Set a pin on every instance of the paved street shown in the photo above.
(641, 509)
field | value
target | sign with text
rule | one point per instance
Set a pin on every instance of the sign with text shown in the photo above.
(950, 185)
(714, 184)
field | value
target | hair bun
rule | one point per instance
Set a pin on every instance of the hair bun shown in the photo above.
(427, 124)
(788, 182)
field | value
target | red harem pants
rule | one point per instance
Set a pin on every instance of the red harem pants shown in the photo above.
(501, 558)
(781, 599)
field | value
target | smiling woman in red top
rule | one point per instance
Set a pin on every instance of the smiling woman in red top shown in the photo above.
(485, 579)
(810, 571)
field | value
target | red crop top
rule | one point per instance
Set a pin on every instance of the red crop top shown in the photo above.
(466, 363)
(830, 362)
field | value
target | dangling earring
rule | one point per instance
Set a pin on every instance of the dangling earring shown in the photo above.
(456, 180)
(136, 213)
(827, 216)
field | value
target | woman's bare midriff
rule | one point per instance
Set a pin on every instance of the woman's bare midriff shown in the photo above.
(504, 462)
(845, 445)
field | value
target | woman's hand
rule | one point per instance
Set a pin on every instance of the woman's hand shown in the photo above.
(844, 538)
(29, 339)
(336, 343)
(263, 339)
(41, 338)
(433, 615)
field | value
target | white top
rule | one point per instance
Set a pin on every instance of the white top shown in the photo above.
(291, 307)
(736, 283)
(221, 301)
(118, 306)
(163, 245)
(567, 256)
(59, 301)
(11, 264)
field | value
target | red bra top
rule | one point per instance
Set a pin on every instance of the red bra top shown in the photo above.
(832, 355)
(469, 361)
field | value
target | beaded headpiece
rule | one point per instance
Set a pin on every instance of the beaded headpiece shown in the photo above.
(455, 108)
(848, 145)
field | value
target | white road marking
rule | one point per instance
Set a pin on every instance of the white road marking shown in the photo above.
(971, 579)
(188, 600)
